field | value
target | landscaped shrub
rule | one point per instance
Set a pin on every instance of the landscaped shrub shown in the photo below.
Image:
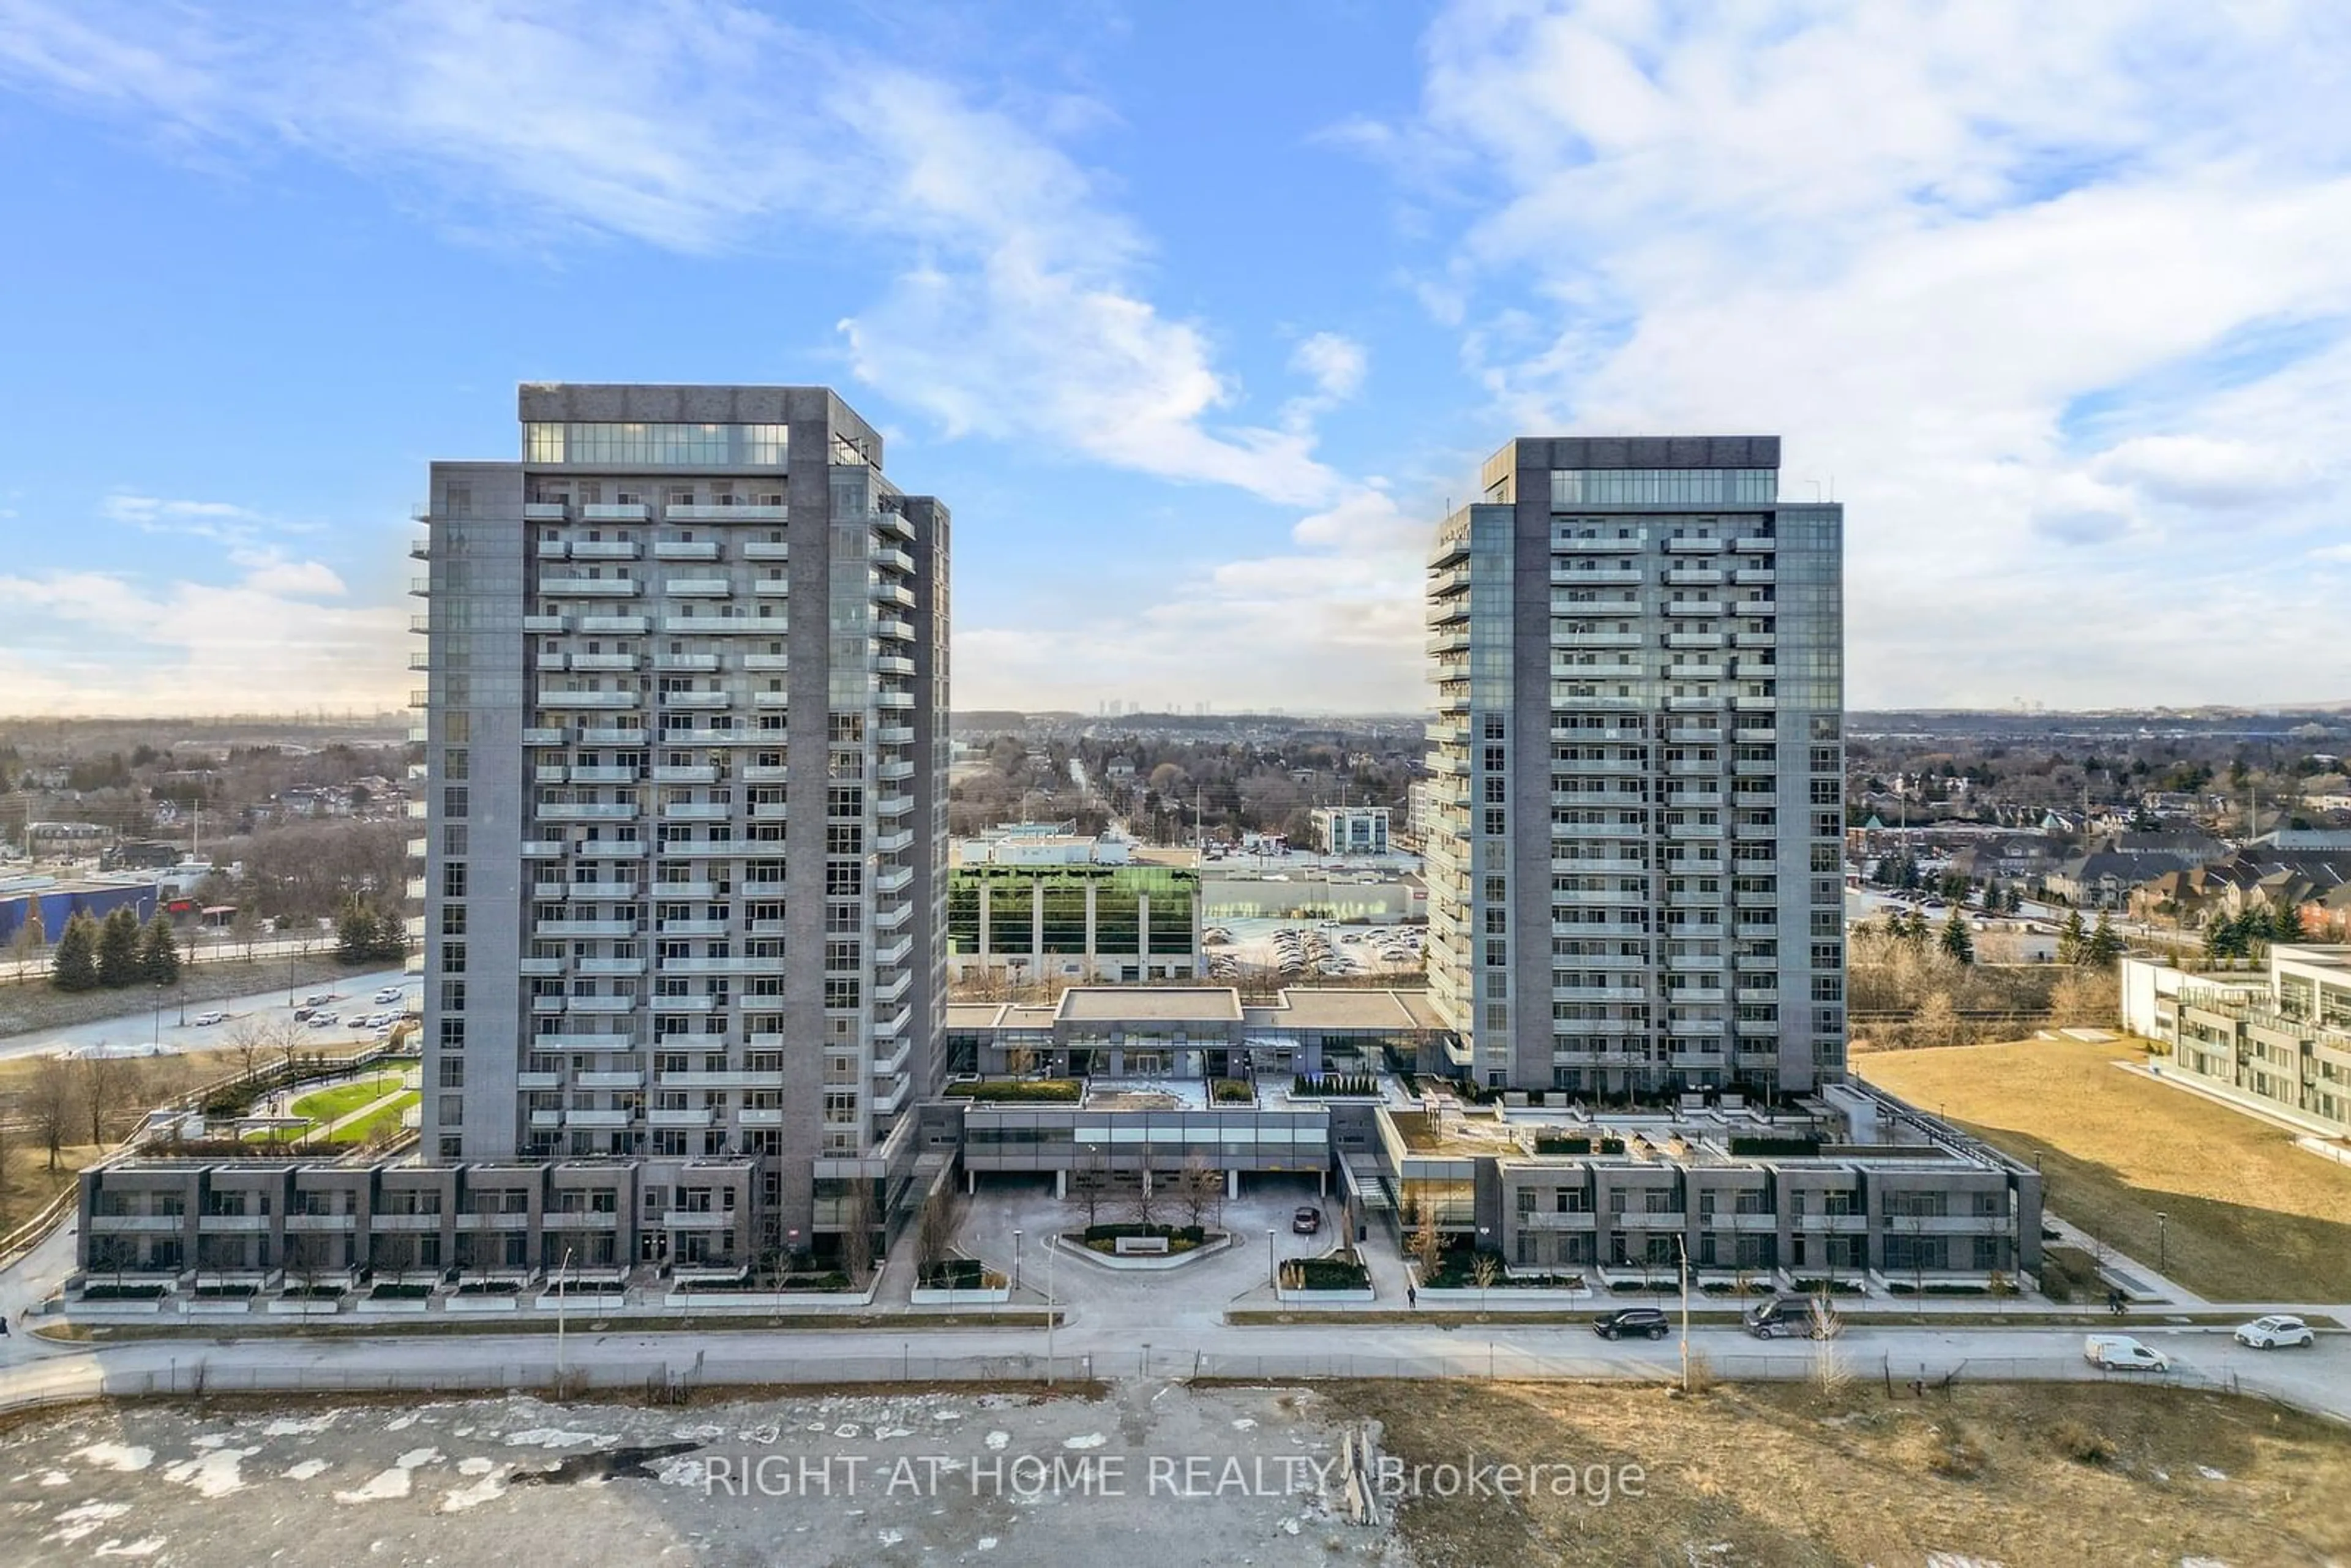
(1032, 1091)
(955, 1274)
(1335, 1084)
(1770, 1148)
(1325, 1274)
(1233, 1091)
(1557, 1145)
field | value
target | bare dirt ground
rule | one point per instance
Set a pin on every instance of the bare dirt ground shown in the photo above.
(1791, 1474)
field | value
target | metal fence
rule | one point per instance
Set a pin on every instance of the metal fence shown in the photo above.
(675, 1377)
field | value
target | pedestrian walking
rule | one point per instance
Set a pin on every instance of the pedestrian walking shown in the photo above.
(1410, 1298)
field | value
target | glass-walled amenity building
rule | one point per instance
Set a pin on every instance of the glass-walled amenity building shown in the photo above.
(1636, 805)
(1026, 924)
(686, 699)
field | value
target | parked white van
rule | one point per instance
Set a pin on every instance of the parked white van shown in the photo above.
(2120, 1352)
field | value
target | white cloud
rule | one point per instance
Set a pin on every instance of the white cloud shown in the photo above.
(1012, 307)
(266, 571)
(95, 643)
(1334, 363)
(1986, 268)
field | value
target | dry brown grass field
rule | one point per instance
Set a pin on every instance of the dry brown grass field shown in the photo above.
(1794, 1474)
(2249, 1218)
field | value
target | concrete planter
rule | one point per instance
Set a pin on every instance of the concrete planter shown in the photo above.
(1144, 1262)
(104, 1310)
(925, 1297)
(549, 1301)
(762, 1300)
(481, 1303)
(1323, 1298)
(405, 1304)
(216, 1306)
(303, 1306)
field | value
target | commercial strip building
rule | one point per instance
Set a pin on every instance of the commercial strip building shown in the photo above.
(1028, 903)
(53, 900)
(1634, 862)
(2278, 1043)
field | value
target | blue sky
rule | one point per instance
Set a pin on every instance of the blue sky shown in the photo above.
(1197, 316)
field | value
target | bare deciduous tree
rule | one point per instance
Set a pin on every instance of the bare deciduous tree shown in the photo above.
(50, 1104)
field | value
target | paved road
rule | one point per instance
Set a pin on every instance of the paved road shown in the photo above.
(145, 1031)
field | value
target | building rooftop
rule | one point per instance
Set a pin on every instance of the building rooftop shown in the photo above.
(1114, 1004)
(1345, 1008)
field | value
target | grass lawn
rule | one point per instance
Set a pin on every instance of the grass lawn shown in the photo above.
(2250, 1217)
(324, 1105)
(385, 1122)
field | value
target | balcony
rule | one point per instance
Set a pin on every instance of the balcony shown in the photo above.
(766, 550)
(1754, 705)
(691, 927)
(581, 928)
(1754, 576)
(725, 626)
(590, 699)
(686, 773)
(894, 561)
(540, 623)
(894, 524)
(696, 811)
(760, 1116)
(603, 550)
(583, 1041)
(895, 629)
(1691, 607)
(603, 661)
(764, 773)
(615, 626)
(894, 593)
(1694, 576)
(597, 1005)
(1692, 672)
(589, 811)
(1559, 639)
(681, 512)
(1563, 575)
(544, 511)
(1694, 547)
(697, 1117)
(609, 965)
(766, 661)
(542, 849)
(697, 587)
(685, 1002)
(695, 1218)
(714, 849)
(590, 587)
(598, 1118)
(685, 550)
(1606, 546)
(615, 512)
(632, 734)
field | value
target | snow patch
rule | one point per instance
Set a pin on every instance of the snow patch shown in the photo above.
(559, 1438)
(885, 1433)
(286, 1426)
(395, 1482)
(488, 1488)
(891, 1537)
(764, 1433)
(2209, 1474)
(213, 1475)
(402, 1423)
(306, 1469)
(1960, 1560)
(476, 1466)
(115, 1456)
(55, 1479)
(145, 1546)
(1089, 1440)
(680, 1473)
(75, 1523)
(997, 1440)
(1244, 1424)
(209, 1440)
(985, 1543)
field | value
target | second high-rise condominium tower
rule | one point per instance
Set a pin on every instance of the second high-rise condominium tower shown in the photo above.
(1635, 878)
(684, 748)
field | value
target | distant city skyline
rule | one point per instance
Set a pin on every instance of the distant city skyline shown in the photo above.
(2048, 298)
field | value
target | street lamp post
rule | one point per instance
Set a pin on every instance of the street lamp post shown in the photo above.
(561, 1271)
(1272, 1269)
(2162, 1243)
(1049, 1311)
(1016, 1260)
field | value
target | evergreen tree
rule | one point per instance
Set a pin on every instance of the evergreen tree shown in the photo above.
(2285, 923)
(118, 949)
(2072, 939)
(76, 965)
(2104, 948)
(356, 936)
(2016, 899)
(159, 951)
(1959, 943)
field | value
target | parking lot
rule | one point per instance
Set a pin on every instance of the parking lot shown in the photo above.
(1301, 949)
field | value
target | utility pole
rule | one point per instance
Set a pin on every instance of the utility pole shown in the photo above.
(561, 1271)
(1681, 1245)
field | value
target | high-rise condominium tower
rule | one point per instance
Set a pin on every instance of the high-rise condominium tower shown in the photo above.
(685, 748)
(1634, 868)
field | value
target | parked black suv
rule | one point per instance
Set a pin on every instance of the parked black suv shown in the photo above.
(1625, 1321)
(1786, 1316)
